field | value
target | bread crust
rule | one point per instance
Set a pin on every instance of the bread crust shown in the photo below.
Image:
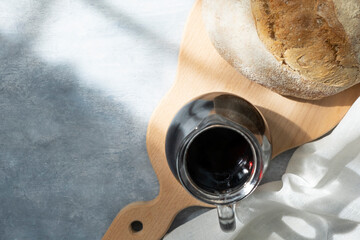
(307, 37)
(312, 54)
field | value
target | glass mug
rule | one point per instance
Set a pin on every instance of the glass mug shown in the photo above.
(218, 146)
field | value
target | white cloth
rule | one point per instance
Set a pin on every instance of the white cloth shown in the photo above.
(318, 197)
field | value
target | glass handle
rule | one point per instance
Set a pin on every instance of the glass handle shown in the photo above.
(226, 215)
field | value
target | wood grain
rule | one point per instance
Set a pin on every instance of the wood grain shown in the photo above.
(292, 122)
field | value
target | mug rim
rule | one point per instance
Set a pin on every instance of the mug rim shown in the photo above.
(234, 194)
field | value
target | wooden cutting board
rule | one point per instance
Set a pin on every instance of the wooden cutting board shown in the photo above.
(201, 70)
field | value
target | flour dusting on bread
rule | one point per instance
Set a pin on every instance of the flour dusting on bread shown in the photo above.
(297, 48)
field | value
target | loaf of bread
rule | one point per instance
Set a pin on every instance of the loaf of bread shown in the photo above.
(303, 48)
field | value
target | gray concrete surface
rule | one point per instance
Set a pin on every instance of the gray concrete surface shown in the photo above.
(79, 80)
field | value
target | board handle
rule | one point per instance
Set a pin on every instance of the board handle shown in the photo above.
(149, 220)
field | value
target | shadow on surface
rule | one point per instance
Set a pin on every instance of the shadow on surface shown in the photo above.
(344, 98)
(285, 134)
(186, 215)
(71, 157)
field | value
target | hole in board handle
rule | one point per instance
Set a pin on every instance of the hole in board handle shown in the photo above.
(136, 226)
